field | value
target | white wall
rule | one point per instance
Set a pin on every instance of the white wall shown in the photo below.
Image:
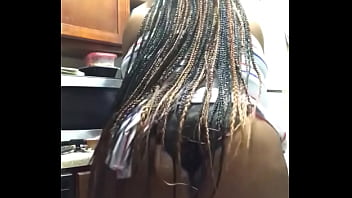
(273, 16)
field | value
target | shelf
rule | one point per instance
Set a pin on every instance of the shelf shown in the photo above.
(89, 81)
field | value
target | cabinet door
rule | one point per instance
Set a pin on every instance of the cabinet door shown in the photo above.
(67, 186)
(97, 20)
(82, 184)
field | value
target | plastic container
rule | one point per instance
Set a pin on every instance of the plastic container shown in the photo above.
(100, 59)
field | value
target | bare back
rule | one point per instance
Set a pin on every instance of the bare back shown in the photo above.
(260, 171)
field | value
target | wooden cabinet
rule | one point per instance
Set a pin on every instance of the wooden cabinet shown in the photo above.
(82, 184)
(101, 21)
(75, 182)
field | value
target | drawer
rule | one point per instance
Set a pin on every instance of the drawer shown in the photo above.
(82, 184)
(67, 186)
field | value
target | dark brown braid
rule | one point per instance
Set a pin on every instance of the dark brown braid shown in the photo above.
(185, 44)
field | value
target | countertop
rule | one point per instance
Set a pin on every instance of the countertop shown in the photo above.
(76, 159)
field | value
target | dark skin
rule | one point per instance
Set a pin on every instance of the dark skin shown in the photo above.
(257, 172)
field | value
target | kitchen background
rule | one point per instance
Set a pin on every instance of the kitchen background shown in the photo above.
(97, 32)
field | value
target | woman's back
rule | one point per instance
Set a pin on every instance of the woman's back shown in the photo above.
(256, 171)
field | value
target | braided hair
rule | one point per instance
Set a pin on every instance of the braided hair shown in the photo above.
(186, 44)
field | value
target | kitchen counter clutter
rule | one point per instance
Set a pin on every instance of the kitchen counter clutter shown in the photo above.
(67, 135)
(86, 104)
(77, 147)
(76, 159)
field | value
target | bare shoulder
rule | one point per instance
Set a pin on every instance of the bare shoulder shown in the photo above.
(257, 32)
(133, 25)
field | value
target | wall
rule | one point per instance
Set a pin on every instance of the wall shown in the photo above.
(273, 16)
(74, 62)
(275, 26)
(67, 61)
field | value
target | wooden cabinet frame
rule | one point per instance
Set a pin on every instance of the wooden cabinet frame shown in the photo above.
(79, 32)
